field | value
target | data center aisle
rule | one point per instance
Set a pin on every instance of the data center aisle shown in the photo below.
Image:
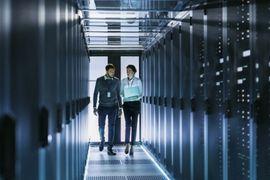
(100, 166)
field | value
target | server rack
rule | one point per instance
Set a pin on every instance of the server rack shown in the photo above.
(213, 101)
(44, 89)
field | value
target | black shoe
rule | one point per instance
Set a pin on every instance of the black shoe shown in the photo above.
(101, 146)
(127, 149)
(131, 151)
(110, 152)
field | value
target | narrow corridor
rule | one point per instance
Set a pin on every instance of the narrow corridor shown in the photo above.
(191, 76)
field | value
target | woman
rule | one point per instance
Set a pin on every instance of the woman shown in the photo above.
(131, 91)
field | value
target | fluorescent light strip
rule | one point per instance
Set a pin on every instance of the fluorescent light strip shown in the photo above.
(113, 15)
(172, 138)
(67, 148)
(58, 156)
(159, 130)
(191, 146)
(117, 34)
(165, 133)
(116, 49)
(155, 162)
(154, 118)
(205, 134)
(150, 117)
(181, 141)
(42, 163)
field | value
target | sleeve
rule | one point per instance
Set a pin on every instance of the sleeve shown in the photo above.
(122, 88)
(140, 88)
(96, 93)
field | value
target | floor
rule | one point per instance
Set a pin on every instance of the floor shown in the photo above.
(100, 166)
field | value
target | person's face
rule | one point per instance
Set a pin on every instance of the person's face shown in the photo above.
(130, 73)
(111, 72)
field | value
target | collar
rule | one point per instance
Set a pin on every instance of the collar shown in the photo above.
(107, 77)
(131, 78)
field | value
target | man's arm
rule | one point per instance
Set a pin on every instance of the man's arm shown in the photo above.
(96, 93)
(122, 89)
(118, 94)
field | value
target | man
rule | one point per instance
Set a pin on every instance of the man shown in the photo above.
(108, 88)
(131, 91)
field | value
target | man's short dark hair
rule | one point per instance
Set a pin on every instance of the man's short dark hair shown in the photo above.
(109, 66)
(132, 67)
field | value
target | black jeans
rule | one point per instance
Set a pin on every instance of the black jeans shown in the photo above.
(112, 114)
(131, 112)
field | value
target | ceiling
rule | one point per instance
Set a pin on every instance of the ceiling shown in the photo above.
(128, 24)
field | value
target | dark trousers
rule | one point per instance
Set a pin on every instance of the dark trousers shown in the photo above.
(131, 112)
(111, 112)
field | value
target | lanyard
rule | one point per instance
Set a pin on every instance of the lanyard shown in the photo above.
(110, 81)
(130, 85)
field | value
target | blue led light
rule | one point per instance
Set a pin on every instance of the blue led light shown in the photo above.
(156, 164)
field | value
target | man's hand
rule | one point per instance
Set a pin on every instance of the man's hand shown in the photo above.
(120, 112)
(95, 111)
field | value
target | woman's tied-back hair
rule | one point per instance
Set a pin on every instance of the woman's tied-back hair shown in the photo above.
(132, 67)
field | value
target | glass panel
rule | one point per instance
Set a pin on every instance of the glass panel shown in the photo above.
(97, 66)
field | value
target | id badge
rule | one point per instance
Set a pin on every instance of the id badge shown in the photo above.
(108, 94)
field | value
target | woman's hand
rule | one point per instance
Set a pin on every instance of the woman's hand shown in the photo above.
(95, 111)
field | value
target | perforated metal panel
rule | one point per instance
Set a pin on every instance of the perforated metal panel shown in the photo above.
(42, 46)
(104, 162)
(197, 90)
(151, 105)
(175, 97)
(261, 58)
(239, 63)
(127, 178)
(137, 161)
(161, 99)
(146, 178)
(107, 178)
(185, 89)
(167, 92)
(214, 91)
(154, 93)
